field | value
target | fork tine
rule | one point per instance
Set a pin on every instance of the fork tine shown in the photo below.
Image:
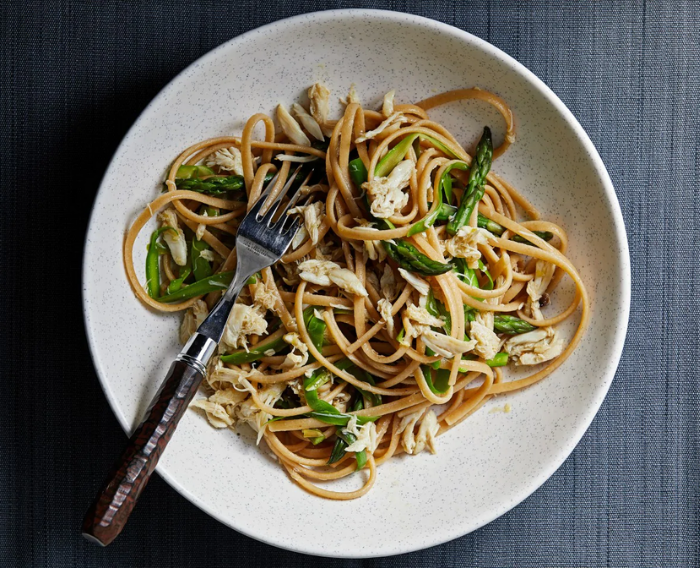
(292, 202)
(255, 210)
(270, 213)
(293, 227)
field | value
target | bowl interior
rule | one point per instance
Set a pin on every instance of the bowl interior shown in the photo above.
(490, 462)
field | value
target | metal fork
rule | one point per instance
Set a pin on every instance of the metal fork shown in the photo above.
(261, 241)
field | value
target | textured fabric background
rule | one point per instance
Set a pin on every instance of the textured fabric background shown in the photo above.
(75, 75)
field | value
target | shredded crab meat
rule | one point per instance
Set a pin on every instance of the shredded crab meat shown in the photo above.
(414, 443)
(313, 214)
(418, 321)
(386, 193)
(201, 228)
(298, 356)
(425, 438)
(299, 237)
(208, 255)
(319, 105)
(175, 240)
(388, 104)
(366, 436)
(248, 412)
(194, 316)
(384, 309)
(465, 244)
(487, 342)
(532, 309)
(291, 127)
(352, 96)
(220, 375)
(446, 346)
(544, 272)
(326, 273)
(535, 347)
(264, 295)
(415, 281)
(226, 159)
(243, 321)
(297, 159)
(216, 413)
(229, 397)
(307, 121)
(393, 119)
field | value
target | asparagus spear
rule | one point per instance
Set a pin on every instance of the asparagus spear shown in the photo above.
(511, 325)
(213, 186)
(481, 164)
(411, 259)
(546, 235)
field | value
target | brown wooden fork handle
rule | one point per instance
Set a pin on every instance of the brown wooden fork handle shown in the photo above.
(108, 514)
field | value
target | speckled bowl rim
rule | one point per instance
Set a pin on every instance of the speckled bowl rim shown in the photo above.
(459, 527)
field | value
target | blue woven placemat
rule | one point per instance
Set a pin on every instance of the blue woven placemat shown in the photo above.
(75, 75)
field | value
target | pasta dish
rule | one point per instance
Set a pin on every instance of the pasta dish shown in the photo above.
(418, 281)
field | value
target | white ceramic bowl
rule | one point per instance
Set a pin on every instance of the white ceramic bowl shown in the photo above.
(492, 461)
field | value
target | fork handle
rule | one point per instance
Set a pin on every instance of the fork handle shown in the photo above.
(108, 514)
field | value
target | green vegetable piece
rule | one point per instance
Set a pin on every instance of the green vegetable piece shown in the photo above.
(216, 282)
(349, 438)
(465, 274)
(361, 458)
(357, 404)
(441, 212)
(500, 359)
(438, 380)
(318, 378)
(396, 154)
(429, 220)
(176, 284)
(324, 411)
(546, 235)
(484, 270)
(316, 327)
(344, 364)
(161, 248)
(196, 171)
(505, 324)
(489, 225)
(417, 148)
(314, 435)
(254, 353)
(153, 264)
(338, 451)
(446, 316)
(201, 268)
(358, 173)
(363, 375)
(481, 164)
(446, 186)
(431, 304)
(215, 186)
(410, 258)
(446, 211)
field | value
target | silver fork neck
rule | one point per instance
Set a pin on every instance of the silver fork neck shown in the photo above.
(203, 343)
